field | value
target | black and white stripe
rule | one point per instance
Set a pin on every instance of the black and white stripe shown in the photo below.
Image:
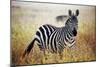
(55, 39)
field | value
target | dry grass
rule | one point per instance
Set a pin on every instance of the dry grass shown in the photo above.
(23, 32)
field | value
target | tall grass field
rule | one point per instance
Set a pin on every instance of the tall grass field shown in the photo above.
(27, 17)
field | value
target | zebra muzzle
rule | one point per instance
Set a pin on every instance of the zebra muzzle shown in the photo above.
(74, 32)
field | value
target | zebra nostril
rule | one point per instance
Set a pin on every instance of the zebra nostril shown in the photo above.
(74, 32)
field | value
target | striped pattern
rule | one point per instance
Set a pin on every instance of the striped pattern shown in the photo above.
(55, 39)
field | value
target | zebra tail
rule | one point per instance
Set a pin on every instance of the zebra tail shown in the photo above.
(29, 48)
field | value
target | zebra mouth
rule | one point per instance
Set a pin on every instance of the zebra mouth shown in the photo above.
(74, 32)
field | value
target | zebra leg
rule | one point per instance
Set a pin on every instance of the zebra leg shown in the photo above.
(44, 56)
(41, 53)
(60, 52)
(44, 52)
(70, 53)
(61, 55)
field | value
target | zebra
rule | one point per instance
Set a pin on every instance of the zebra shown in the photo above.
(55, 39)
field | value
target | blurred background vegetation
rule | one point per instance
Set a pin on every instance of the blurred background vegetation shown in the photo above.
(27, 17)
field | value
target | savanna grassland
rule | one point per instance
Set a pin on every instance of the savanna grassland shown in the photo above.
(26, 19)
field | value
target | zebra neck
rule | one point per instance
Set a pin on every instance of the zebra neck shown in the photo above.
(68, 35)
(68, 32)
(68, 39)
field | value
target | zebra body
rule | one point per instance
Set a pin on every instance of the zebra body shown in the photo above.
(55, 39)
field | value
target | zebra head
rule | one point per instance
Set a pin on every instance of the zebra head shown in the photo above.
(72, 22)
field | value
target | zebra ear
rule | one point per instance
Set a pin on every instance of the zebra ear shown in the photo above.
(77, 12)
(70, 12)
